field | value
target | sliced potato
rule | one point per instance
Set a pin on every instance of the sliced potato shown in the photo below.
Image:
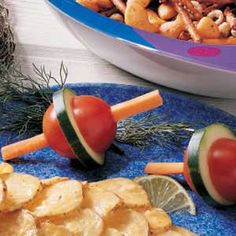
(128, 222)
(21, 188)
(18, 223)
(5, 168)
(176, 231)
(101, 201)
(81, 222)
(132, 194)
(53, 180)
(3, 190)
(112, 232)
(57, 199)
(49, 229)
(167, 233)
(158, 220)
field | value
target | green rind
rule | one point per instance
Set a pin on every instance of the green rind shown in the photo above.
(82, 155)
(200, 140)
(194, 171)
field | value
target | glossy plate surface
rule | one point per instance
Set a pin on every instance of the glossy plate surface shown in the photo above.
(209, 221)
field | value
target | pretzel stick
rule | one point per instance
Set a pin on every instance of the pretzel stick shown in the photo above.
(120, 5)
(209, 9)
(188, 6)
(188, 23)
(213, 4)
(219, 3)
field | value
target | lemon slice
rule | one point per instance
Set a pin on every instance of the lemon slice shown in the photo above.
(166, 193)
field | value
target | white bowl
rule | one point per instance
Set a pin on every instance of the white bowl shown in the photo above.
(196, 68)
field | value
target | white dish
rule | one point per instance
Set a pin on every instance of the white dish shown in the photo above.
(196, 68)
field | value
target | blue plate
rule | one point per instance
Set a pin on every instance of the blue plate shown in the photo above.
(209, 221)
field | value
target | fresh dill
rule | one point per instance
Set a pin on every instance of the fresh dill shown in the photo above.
(24, 99)
(152, 130)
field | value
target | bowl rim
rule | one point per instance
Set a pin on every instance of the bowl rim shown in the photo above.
(217, 57)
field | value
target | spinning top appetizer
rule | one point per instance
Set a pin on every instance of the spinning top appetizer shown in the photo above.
(81, 127)
(209, 165)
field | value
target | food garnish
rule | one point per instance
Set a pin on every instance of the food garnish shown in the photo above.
(25, 98)
(70, 207)
(209, 165)
(152, 130)
(182, 19)
(166, 193)
(24, 119)
(81, 127)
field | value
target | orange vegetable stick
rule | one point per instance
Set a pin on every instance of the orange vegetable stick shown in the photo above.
(120, 111)
(22, 147)
(137, 105)
(164, 168)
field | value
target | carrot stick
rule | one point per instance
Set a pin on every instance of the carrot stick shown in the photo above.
(137, 105)
(23, 147)
(164, 168)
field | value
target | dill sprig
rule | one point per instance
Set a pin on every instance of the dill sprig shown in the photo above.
(152, 130)
(24, 99)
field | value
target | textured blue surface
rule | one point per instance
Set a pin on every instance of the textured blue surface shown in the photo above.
(209, 221)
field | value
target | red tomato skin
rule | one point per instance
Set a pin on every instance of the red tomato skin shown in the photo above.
(95, 121)
(54, 134)
(222, 167)
(186, 172)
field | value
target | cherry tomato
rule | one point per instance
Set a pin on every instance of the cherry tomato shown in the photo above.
(186, 172)
(95, 122)
(54, 134)
(222, 167)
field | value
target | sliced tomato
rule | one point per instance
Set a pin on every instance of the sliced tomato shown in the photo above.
(95, 122)
(222, 167)
(53, 132)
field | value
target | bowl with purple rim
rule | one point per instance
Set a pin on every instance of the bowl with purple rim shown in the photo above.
(192, 67)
